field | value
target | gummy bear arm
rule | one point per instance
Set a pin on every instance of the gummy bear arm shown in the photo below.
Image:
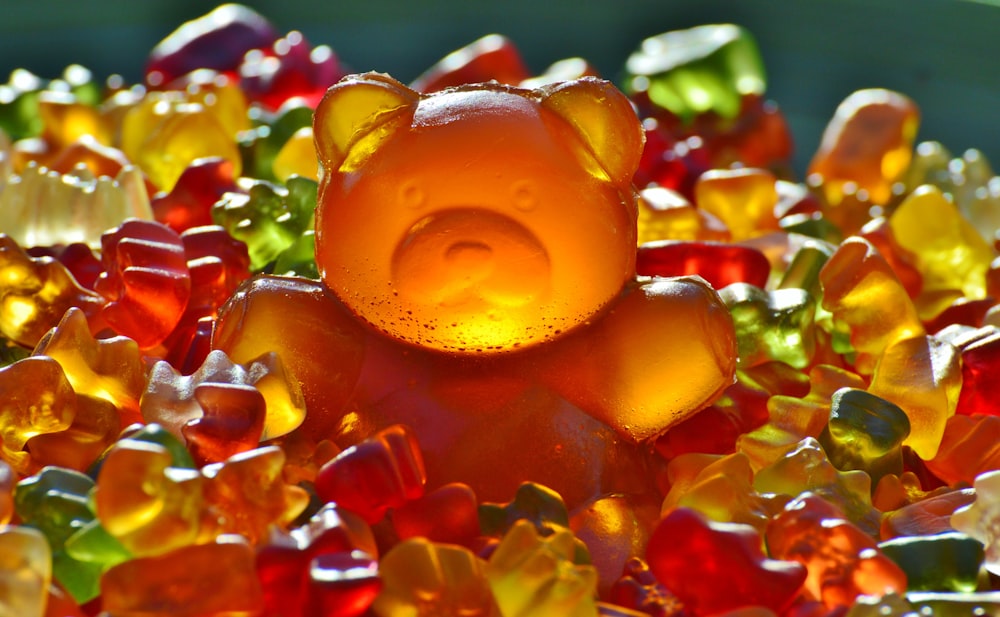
(664, 351)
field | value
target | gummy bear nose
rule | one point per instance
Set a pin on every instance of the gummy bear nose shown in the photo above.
(472, 258)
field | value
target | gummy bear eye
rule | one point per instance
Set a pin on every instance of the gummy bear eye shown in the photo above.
(410, 195)
(523, 195)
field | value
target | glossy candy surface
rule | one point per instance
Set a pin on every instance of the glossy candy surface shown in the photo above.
(280, 341)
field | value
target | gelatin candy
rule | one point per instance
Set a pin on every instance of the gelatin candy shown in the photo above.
(424, 578)
(771, 325)
(492, 57)
(865, 432)
(215, 578)
(146, 280)
(430, 269)
(533, 575)
(702, 69)
(25, 571)
(942, 562)
(379, 473)
(35, 293)
(743, 199)
(719, 263)
(979, 519)
(714, 567)
(217, 40)
(842, 560)
(665, 214)
(326, 563)
(867, 144)
(268, 218)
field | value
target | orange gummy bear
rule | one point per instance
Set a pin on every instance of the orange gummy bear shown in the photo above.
(477, 252)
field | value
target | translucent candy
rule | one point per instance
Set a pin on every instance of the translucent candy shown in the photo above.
(843, 561)
(534, 575)
(772, 325)
(923, 376)
(43, 207)
(328, 560)
(35, 399)
(166, 132)
(492, 57)
(430, 271)
(216, 578)
(422, 578)
(980, 518)
(247, 495)
(702, 69)
(713, 567)
(379, 473)
(268, 218)
(718, 263)
(35, 293)
(860, 290)
(743, 199)
(867, 144)
(110, 369)
(950, 255)
(865, 432)
(172, 399)
(942, 562)
(146, 280)
(665, 214)
(25, 571)
(806, 468)
(147, 505)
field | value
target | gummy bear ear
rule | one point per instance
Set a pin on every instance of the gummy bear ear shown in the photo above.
(351, 108)
(604, 119)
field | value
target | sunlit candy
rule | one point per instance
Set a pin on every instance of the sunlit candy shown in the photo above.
(276, 339)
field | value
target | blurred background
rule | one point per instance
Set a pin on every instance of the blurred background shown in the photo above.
(945, 54)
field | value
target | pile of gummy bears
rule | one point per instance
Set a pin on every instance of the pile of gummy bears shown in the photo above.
(281, 340)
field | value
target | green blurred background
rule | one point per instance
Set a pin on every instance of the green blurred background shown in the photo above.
(942, 53)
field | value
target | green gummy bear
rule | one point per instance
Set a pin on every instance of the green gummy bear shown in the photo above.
(943, 562)
(56, 502)
(261, 145)
(269, 218)
(702, 69)
(771, 325)
(865, 432)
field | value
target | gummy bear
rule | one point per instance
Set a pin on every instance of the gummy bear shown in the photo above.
(941, 562)
(423, 578)
(531, 575)
(702, 69)
(713, 567)
(45, 207)
(35, 293)
(25, 571)
(867, 144)
(329, 558)
(842, 560)
(492, 57)
(146, 280)
(979, 519)
(458, 310)
(217, 40)
(215, 578)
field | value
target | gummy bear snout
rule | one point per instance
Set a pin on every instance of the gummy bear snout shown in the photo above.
(471, 260)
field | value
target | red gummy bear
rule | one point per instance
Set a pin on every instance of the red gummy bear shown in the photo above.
(714, 567)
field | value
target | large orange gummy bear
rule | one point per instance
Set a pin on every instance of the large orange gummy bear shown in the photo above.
(477, 251)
